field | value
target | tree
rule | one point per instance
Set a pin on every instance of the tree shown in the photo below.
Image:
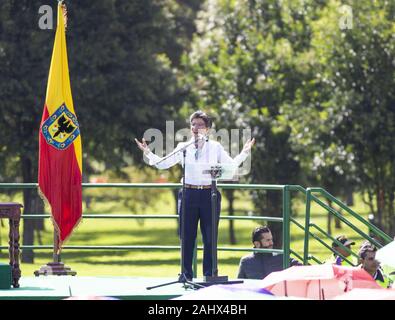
(350, 102)
(122, 79)
(312, 90)
(242, 67)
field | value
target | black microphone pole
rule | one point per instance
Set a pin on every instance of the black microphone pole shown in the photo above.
(181, 277)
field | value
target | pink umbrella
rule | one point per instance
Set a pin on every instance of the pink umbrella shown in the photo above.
(320, 282)
(368, 294)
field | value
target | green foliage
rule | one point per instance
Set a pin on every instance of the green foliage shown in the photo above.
(242, 69)
(319, 98)
(347, 109)
(121, 60)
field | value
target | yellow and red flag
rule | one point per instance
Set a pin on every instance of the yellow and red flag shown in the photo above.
(60, 160)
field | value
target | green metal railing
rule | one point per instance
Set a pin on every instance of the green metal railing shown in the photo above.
(310, 197)
(308, 225)
(285, 219)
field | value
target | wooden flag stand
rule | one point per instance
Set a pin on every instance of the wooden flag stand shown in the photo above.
(56, 267)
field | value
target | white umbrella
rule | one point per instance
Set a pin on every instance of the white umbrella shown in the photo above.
(386, 255)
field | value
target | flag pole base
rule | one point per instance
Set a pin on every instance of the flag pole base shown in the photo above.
(56, 269)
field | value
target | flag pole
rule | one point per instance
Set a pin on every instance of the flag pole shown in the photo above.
(56, 256)
(56, 267)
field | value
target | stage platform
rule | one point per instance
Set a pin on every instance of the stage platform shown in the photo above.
(125, 288)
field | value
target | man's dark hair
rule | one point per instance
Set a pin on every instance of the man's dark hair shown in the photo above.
(201, 115)
(365, 248)
(257, 233)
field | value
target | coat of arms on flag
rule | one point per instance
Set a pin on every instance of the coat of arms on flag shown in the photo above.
(61, 129)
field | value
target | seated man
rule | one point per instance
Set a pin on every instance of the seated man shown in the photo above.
(340, 251)
(259, 264)
(367, 258)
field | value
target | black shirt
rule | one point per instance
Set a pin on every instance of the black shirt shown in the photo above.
(258, 265)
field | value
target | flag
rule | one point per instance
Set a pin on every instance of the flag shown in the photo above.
(60, 160)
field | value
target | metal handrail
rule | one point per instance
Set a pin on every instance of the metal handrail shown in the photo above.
(311, 257)
(34, 216)
(334, 240)
(296, 255)
(372, 227)
(116, 247)
(128, 216)
(339, 216)
(311, 197)
(148, 186)
(285, 219)
(330, 248)
(286, 226)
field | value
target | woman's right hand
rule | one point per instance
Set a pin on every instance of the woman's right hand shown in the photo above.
(142, 145)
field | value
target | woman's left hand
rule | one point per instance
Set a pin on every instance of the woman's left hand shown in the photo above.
(248, 145)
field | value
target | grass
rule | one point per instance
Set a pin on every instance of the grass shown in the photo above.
(162, 232)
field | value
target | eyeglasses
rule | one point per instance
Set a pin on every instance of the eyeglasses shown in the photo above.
(198, 125)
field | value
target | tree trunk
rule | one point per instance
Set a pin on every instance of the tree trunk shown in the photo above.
(38, 205)
(269, 203)
(390, 214)
(274, 205)
(87, 198)
(230, 196)
(175, 195)
(349, 196)
(369, 202)
(380, 207)
(1, 225)
(329, 223)
(28, 224)
(338, 221)
(32, 204)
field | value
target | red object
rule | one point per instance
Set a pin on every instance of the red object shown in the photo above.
(320, 282)
(60, 181)
(60, 154)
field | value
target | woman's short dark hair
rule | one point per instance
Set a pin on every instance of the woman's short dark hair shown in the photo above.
(257, 233)
(201, 115)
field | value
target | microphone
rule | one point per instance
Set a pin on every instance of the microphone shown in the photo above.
(202, 137)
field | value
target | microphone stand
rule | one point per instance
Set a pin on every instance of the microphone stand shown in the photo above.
(216, 173)
(181, 277)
